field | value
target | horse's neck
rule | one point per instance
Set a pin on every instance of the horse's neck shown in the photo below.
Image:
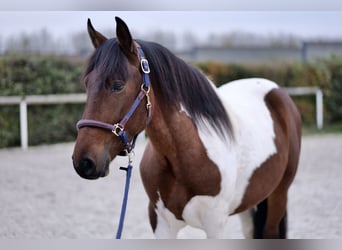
(172, 132)
(180, 153)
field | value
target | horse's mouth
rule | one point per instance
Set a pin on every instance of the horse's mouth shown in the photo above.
(105, 171)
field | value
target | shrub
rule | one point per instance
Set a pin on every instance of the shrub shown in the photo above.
(326, 74)
(333, 93)
(37, 76)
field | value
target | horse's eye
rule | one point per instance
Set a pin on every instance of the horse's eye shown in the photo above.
(116, 86)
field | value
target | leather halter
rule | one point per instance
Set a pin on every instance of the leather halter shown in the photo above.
(118, 129)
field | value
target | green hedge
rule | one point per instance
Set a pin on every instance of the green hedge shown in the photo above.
(56, 123)
(326, 74)
(39, 75)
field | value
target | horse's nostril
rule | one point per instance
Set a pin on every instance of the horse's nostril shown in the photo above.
(86, 168)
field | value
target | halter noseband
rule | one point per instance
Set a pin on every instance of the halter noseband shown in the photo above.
(118, 129)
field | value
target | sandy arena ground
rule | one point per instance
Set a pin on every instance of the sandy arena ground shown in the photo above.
(42, 197)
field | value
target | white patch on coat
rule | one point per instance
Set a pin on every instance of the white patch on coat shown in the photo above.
(237, 160)
(183, 110)
(167, 223)
(206, 212)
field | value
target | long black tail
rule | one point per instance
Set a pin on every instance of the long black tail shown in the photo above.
(259, 220)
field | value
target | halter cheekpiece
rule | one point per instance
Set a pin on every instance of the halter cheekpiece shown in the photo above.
(118, 129)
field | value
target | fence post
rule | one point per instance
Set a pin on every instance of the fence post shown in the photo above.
(319, 108)
(23, 125)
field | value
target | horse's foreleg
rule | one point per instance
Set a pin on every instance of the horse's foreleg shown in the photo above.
(207, 213)
(164, 224)
(167, 225)
(215, 225)
(246, 219)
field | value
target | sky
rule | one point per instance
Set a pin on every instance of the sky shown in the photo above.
(307, 19)
(308, 24)
(170, 5)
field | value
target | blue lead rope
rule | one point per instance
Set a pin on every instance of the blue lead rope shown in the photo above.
(145, 89)
(125, 198)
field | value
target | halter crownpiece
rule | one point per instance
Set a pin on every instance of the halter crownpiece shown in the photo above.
(118, 129)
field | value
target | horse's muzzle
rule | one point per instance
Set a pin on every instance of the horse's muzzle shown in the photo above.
(86, 168)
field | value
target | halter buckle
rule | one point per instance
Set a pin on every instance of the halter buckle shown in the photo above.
(145, 66)
(117, 129)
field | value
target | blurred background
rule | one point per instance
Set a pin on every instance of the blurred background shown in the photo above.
(64, 32)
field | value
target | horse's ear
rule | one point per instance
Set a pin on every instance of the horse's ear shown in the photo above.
(124, 37)
(96, 37)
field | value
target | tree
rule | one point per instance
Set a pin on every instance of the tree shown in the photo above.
(81, 44)
(39, 42)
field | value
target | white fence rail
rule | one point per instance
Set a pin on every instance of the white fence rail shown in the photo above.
(34, 100)
(23, 102)
(297, 91)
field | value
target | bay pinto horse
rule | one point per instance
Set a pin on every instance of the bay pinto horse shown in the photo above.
(212, 152)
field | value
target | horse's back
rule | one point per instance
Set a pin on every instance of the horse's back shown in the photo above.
(258, 98)
(249, 86)
(253, 99)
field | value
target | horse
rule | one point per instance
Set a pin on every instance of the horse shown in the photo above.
(211, 152)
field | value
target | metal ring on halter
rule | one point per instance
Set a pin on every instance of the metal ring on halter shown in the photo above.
(145, 66)
(117, 129)
(147, 90)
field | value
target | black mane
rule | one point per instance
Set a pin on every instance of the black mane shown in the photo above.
(178, 82)
(173, 79)
(109, 60)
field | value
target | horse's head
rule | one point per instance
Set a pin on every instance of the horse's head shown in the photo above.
(113, 81)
